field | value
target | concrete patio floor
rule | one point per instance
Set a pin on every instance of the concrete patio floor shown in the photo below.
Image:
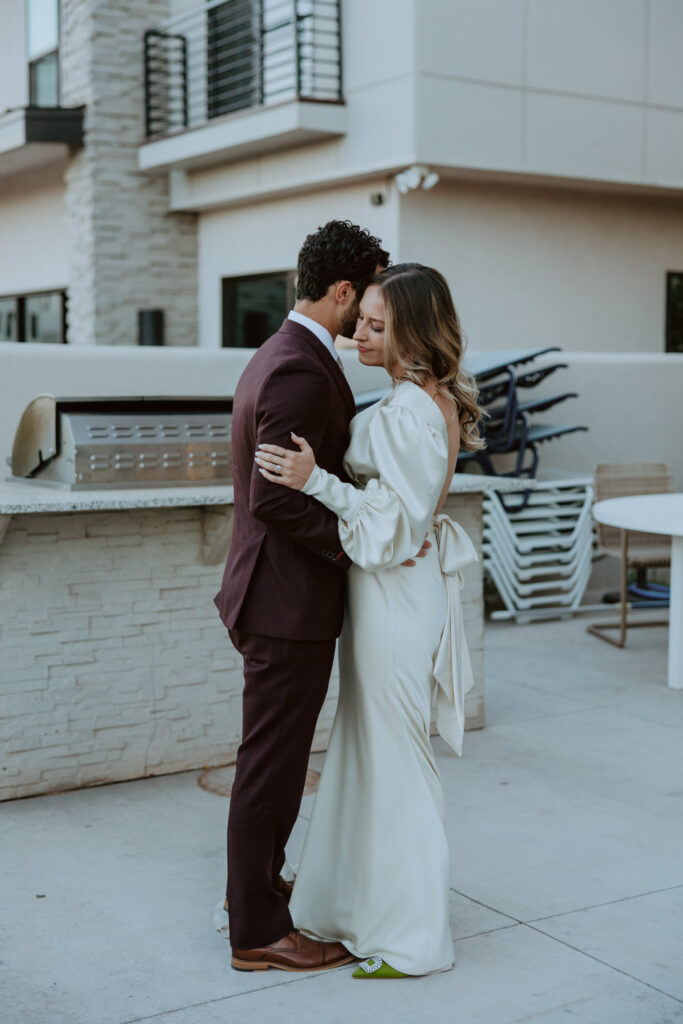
(565, 818)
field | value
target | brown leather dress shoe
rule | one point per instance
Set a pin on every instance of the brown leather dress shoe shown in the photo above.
(294, 952)
(282, 886)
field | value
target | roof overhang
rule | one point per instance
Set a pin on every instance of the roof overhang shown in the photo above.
(33, 137)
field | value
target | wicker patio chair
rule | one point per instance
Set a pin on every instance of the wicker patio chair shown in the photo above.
(637, 550)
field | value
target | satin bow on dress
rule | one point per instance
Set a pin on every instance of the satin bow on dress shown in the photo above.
(452, 667)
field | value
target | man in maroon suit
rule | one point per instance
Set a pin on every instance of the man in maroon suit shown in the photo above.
(282, 596)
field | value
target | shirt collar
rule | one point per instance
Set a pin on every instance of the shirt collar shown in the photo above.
(320, 332)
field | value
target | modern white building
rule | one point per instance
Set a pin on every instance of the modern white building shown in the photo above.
(556, 130)
(170, 155)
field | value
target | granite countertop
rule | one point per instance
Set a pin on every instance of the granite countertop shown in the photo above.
(24, 499)
(468, 483)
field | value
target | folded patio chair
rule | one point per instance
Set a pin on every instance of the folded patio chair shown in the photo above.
(533, 405)
(507, 424)
(494, 389)
(637, 550)
(498, 426)
(526, 439)
(533, 377)
(486, 365)
(497, 389)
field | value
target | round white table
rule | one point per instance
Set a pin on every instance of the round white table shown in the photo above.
(656, 513)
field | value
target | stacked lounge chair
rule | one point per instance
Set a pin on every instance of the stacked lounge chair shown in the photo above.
(540, 557)
(537, 542)
(511, 426)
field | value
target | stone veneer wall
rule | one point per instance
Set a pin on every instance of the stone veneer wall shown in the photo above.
(127, 251)
(114, 662)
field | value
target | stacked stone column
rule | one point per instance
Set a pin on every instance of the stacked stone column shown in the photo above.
(127, 252)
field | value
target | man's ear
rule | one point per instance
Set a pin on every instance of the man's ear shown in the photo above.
(344, 292)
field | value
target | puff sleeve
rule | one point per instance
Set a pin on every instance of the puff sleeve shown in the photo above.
(385, 523)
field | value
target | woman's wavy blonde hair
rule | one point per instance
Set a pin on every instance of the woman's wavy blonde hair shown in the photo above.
(422, 335)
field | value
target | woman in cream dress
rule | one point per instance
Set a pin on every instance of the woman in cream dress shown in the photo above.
(375, 869)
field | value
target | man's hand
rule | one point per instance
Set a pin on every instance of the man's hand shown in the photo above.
(426, 545)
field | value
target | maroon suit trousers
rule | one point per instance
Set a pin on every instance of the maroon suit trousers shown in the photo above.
(285, 683)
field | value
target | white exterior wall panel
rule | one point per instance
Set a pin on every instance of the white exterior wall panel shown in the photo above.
(474, 40)
(593, 48)
(578, 137)
(664, 64)
(567, 90)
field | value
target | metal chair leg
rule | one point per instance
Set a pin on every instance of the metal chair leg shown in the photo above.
(599, 628)
(624, 587)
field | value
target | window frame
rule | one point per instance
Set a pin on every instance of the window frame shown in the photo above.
(228, 311)
(32, 62)
(669, 327)
(20, 312)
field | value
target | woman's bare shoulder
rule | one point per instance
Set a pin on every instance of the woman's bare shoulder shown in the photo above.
(449, 409)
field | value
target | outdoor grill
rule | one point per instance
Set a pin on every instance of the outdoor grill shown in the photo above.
(90, 443)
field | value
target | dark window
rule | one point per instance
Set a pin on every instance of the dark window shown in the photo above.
(9, 330)
(674, 311)
(42, 47)
(254, 307)
(233, 41)
(39, 317)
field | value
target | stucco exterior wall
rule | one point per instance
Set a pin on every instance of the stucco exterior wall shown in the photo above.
(34, 247)
(532, 267)
(13, 63)
(267, 237)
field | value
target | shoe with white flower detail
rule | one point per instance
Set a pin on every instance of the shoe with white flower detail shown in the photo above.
(375, 967)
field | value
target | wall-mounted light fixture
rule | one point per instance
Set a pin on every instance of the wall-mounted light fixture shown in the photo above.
(417, 176)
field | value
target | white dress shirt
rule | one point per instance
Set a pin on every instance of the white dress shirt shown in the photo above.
(320, 332)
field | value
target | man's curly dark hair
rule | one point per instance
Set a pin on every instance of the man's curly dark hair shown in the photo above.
(338, 251)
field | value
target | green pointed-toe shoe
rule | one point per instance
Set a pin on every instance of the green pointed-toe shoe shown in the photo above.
(375, 967)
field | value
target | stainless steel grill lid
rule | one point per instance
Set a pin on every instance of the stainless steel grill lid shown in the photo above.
(87, 443)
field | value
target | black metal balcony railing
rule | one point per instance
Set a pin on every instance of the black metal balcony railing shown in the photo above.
(230, 55)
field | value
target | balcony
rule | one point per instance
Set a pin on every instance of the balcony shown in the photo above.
(233, 78)
(33, 137)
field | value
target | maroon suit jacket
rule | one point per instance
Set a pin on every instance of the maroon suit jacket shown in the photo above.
(285, 576)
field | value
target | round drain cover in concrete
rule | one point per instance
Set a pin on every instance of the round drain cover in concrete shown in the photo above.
(220, 780)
